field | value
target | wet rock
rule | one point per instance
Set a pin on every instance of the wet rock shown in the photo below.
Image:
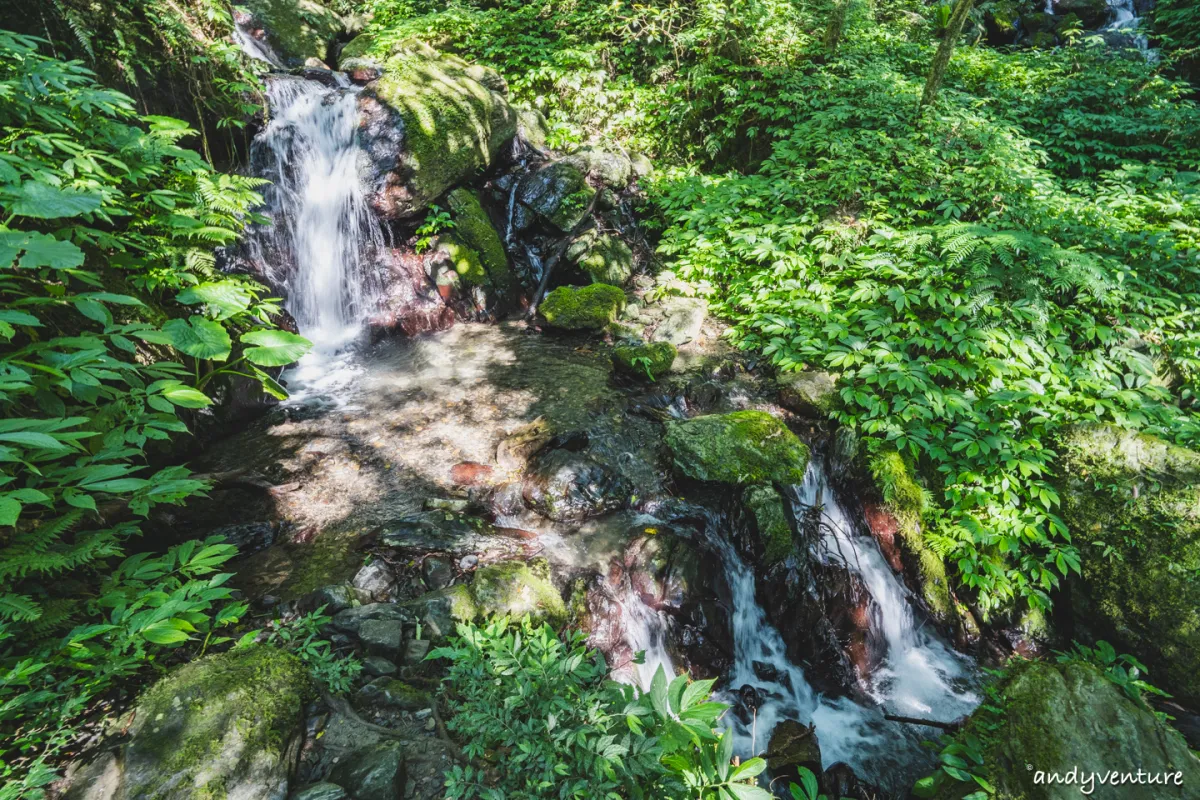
(841, 782)
(514, 452)
(411, 302)
(361, 71)
(296, 29)
(433, 533)
(683, 320)
(792, 746)
(351, 620)
(437, 573)
(1145, 599)
(602, 258)
(391, 693)
(382, 637)
(1064, 718)
(429, 122)
(566, 486)
(812, 393)
(375, 774)
(582, 308)
(375, 580)
(470, 473)
(332, 598)
(1094, 14)
(770, 523)
(644, 361)
(319, 791)
(741, 447)
(229, 723)
(439, 611)
(473, 226)
(765, 672)
(558, 193)
(415, 651)
(378, 667)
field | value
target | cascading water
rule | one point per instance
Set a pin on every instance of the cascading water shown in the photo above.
(256, 49)
(921, 676)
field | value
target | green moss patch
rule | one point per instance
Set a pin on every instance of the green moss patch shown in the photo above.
(582, 307)
(296, 29)
(645, 361)
(742, 447)
(514, 589)
(472, 225)
(765, 507)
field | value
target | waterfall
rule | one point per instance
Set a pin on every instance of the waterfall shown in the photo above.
(255, 48)
(323, 232)
(920, 677)
(646, 632)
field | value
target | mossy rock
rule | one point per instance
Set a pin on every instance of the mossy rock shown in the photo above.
(765, 507)
(906, 501)
(1141, 496)
(582, 307)
(296, 29)
(472, 225)
(430, 123)
(642, 360)
(603, 258)
(558, 192)
(223, 726)
(812, 392)
(1057, 718)
(514, 588)
(440, 610)
(738, 448)
(360, 46)
(465, 260)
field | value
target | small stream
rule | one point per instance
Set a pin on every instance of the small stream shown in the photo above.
(319, 251)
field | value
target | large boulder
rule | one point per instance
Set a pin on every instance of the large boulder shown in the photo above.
(642, 360)
(1070, 720)
(430, 122)
(812, 392)
(225, 726)
(602, 258)
(1137, 498)
(739, 448)
(296, 29)
(1093, 14)
(559, 193)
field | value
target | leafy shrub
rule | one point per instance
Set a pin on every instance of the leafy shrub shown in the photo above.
(302, 635)
(1123, 670)
(540, 719)
(106, 248)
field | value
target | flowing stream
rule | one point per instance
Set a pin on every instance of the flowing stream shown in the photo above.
(920, 677)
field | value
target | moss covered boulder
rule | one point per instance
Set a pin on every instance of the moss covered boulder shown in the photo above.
(296, 29)
(1071, 720)
(645, 360)
(580, 308)
(1140, 496)
(769, 520)
(812, 392)
(559, 193)
(429, 123)
(742, 447)
(226, 726)
(514, 588)
(475, 229)
(602, 258)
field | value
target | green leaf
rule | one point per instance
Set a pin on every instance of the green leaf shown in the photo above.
(42, 201)
(187, 397)
(274, 348)
(199, 337)
(10, 510)
(39, 250)
(33, 439)
(164, 633)
(226, 298)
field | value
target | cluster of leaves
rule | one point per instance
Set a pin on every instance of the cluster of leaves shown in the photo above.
(1122, 669)
(301, 634)
(174, 56)
(541, 719)
(436, 221)
(106, 278)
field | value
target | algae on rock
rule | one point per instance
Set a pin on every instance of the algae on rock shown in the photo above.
(591, 307)
(738, 448)
(472, 225)
(770, 522)
(1137, 498)
(603, 258)
(430, 122)
(296, 29)
(645, 360)
(227, 725)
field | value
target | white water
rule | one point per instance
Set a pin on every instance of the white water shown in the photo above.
(920, 677)
(256, 49)
(324, 234)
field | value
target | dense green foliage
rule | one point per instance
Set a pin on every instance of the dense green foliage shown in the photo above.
(106, 249)
(544, 715)
(1022, 257)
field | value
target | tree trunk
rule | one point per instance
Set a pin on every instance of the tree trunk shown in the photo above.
(837, 21)
(954, 30)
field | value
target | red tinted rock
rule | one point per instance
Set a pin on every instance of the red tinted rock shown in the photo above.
(470, 473)
(884, 527)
